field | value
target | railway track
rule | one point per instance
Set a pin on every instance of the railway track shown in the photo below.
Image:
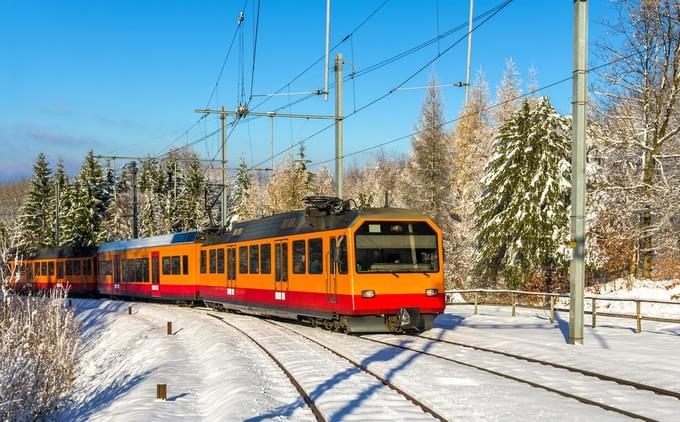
(621, 381)
(556, 381)
(403, 406)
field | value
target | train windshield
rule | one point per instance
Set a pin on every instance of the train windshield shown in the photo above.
(391, 247)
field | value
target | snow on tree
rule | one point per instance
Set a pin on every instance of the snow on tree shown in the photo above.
(472, 139)
(35, 217)
(324, 183)
(430, 166)
(290, 184)
(151, 186)
(85, 205)
(191, 195)
(507, 93)
(523, 210)
(638, 146)
(39, 340)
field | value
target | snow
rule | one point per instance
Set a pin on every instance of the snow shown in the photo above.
(214, 372)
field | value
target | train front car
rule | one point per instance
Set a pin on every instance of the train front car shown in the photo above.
(372, 270)
(396, 272)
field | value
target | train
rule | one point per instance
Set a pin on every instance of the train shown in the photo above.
(345, 269)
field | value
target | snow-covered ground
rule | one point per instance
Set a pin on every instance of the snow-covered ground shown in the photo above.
(213, 372)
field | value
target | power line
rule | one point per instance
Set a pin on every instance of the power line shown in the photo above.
(494, 10)
(252, 72)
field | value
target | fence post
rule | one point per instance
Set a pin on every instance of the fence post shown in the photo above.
(169, 328)
(513, 304)
(161, 391)
(637, 317)
(594, 308)
(130, 310)
(552, 309)
(475, 303)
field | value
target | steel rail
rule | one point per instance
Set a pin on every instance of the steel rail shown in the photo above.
(358, 365)
(638, 386)
(517, 379)
(312, 406)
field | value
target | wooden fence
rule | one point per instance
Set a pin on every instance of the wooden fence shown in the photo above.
(549, 300)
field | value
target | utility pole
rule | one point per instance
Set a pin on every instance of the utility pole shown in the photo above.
(224, 169)
(328, 51)
(58, 211)
(339, 155)
(135, 230)
(578, 172)
(469, 52)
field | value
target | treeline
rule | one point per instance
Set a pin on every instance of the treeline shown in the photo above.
(498, 182)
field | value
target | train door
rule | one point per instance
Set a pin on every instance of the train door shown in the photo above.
(332, 273)
(155, 275)
(116, 272)
(231, 270)
(280, 270)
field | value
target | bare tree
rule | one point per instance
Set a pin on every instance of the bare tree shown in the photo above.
(638, 145)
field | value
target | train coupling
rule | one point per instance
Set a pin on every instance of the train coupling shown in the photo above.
(409, 318)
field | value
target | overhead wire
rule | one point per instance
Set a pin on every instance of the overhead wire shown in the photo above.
(488, 16)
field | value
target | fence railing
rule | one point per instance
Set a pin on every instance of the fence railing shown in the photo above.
(477, 295)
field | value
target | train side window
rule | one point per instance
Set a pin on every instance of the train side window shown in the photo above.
(43, 268)
(185, 264)
(76, 267)
(87, 267)
(243, 260)
(315, 248)
(298, 257)
(203, 263)
(213, 261)
(339, 256)
(265, 258)
(145, 270)
(125, 269)
(231, 263)
(175, 265)
(220, 261)
(36, 267)
(50, 268)
(138, 270)
(167, 269)
(69, 267)
(254, 259)
(284, 262)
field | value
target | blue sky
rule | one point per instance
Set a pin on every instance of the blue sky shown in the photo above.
(124, 76)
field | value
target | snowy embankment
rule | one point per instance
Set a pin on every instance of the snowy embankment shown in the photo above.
(209, 375)
(213, 372)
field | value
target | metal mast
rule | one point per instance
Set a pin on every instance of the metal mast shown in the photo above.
(339, 154)
(578, 172)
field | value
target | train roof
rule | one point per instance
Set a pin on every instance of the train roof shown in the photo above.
(63, 252)
(299, 222)
(150, 242)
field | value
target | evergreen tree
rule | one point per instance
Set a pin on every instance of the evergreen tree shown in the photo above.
(431, 167)
(151, 186)
(473, 137)
(291, 184)
(35, 216)
(523, 211)
(508, 92)
(190, 201)
(60, 179)
(242, 188)
(87, 201)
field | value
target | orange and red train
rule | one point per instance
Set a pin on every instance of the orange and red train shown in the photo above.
(371, 270)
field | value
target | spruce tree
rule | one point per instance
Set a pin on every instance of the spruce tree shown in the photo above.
(431, 166)
(35, 215)
(523, 210)
(242, 186)
(191, 195)
(88, 198)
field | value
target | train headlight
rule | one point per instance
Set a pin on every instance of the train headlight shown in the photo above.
(431, 292)
(368, 293)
